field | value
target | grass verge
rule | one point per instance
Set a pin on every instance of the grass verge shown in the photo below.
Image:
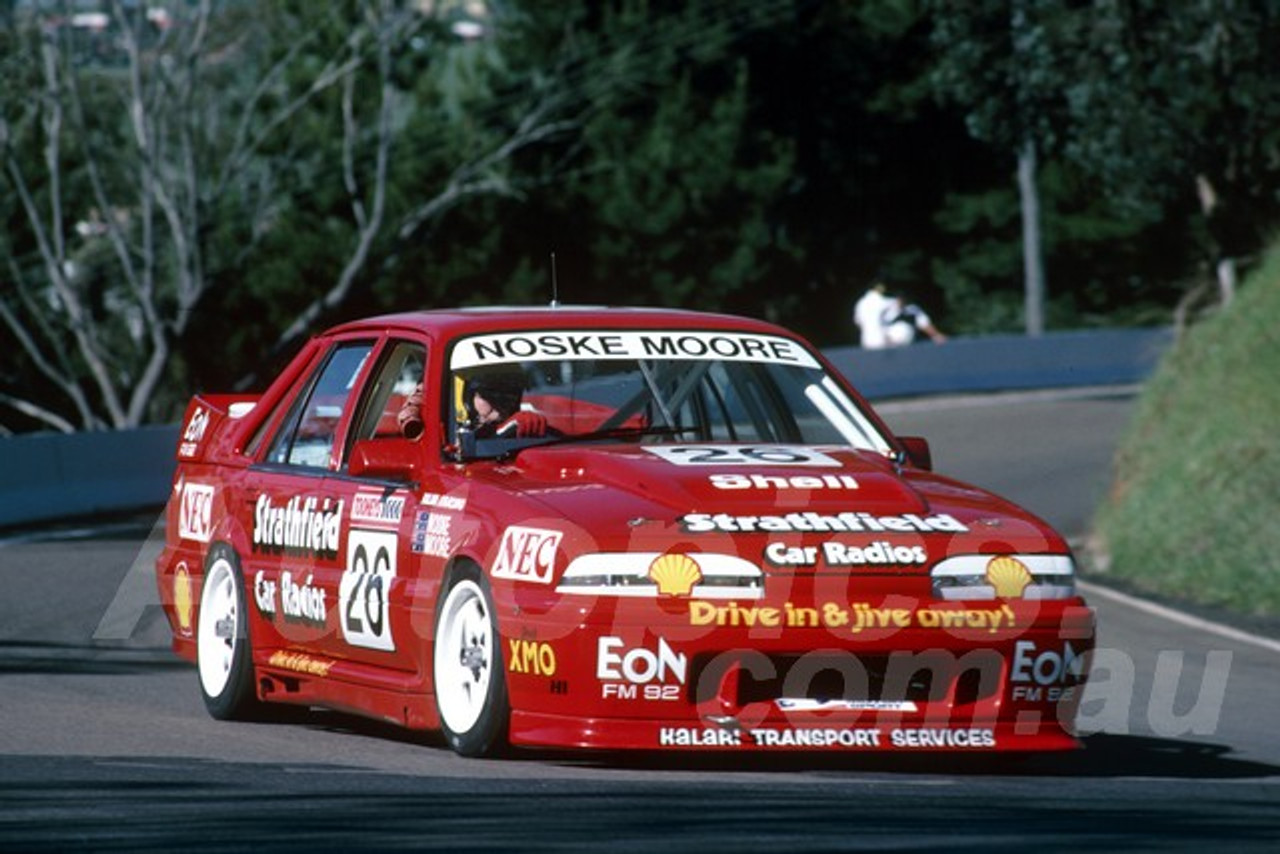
(1194, 511)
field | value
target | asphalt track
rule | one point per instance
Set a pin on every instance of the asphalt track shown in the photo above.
(105, 745)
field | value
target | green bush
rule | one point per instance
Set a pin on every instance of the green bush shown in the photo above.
(1192, 511)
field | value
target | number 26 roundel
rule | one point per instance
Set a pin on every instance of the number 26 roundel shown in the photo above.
(363, 594)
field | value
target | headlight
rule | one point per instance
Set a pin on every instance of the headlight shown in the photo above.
(1005, 577)
(655, 574)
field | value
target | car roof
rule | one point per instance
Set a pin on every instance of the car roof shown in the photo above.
(453, 322)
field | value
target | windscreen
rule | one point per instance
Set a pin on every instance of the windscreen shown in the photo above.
(511, 390)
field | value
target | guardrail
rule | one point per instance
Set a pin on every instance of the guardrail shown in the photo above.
(50, 476)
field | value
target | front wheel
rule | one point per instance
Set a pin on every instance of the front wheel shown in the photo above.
(223, 656)
(470, 686)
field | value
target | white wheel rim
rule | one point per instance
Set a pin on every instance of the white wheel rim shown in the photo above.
(218, 633)
(464, 657)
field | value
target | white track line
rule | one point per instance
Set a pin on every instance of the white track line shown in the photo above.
(1179, 617)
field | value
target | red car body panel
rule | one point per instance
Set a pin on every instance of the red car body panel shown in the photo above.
(840, 642)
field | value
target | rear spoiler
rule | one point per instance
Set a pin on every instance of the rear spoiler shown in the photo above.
(209, 415)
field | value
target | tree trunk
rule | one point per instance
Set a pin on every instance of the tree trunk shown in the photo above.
(1032, 252)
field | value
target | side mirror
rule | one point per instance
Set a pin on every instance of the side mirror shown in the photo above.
(917, 448)
(386, 459)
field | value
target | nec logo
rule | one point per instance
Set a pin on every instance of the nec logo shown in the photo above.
(195, 513)
(527, 554)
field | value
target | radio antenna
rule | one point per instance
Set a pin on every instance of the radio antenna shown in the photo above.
(555, 285)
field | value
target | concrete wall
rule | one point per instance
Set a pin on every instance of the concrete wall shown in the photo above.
(1005, 363)
(50, 476)
(46, 476)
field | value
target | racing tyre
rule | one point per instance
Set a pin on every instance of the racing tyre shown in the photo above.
(223, 656)
(469, 677)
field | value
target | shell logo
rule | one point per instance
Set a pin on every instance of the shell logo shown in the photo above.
(182, 599)
(1009, 576)
(675, 574)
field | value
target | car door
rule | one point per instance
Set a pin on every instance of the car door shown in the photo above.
(296, 518)
(373, 619)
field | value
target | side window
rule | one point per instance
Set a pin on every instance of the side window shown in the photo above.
(306, 438)
(397, 377)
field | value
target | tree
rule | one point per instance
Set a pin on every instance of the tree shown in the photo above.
(656, 190)
(175, 153)
(667, 193)
(1178, 104)
(119, 150)
(1168, 107)
(456, 129)
(1002, 62)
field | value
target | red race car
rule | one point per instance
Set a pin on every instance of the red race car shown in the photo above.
(608, 528)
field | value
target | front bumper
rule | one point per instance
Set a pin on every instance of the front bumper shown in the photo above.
(938, 676)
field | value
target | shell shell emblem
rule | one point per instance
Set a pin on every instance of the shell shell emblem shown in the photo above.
(182, 599)
(675, 574)
(1009, 576)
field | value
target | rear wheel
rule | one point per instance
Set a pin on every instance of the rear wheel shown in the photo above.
(223, 656)
(470, 685)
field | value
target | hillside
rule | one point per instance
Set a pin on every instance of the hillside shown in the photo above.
(1192, 511)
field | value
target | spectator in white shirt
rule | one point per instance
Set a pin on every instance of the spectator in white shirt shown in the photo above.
(889, 321)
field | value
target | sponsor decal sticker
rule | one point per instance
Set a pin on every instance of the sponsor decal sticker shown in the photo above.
(828, 737)
(195, 512)
(779, 482)
(294, 595)
(590, 345)
(302, 526)
(1045, 675)
(1008, 576)
(193, 433)
(300, 662)
(527, 554)
(840, 554)
(853, 618)
(377, 509)
(743, 455)
(183, 600)
(534, 658)
(431, 534)
(638, 672)
(809, 522)
(675, 574)
(443, 502)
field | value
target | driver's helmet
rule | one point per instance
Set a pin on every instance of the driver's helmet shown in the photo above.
(502, 386)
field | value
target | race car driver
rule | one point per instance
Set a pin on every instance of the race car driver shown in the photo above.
(493, 402)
